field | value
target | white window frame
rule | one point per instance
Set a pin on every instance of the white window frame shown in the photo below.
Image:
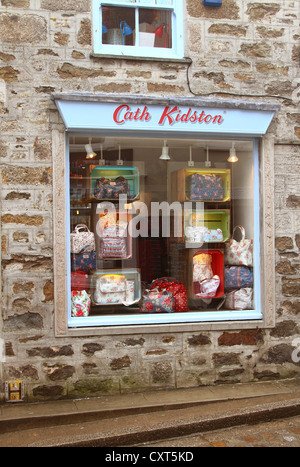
(75, 118)
(177, 50)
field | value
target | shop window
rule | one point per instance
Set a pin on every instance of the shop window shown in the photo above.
(145, 28)
(152, 223)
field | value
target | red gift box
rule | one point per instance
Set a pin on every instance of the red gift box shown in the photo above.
(79, 280)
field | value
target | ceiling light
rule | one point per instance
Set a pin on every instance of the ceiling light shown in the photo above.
(191, 162)
(90, 154)
(232, 155)
(207, 162)
(101, 160)
(119, 161)
(165, 152)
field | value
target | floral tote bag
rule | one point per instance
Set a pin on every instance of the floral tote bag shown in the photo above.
(239, 252)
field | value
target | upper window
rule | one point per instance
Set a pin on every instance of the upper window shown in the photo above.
(140, 28)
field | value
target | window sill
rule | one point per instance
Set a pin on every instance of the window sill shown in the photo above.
(185, 60)
(162, 318)
(179, 322)
(164, 328)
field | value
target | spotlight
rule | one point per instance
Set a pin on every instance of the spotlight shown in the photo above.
(191, 162)
(232, 155)
(90, 154)
(165, 152)
(207, 162)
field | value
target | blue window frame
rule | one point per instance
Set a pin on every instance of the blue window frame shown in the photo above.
(138, 28)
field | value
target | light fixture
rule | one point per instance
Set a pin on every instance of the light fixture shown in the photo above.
(191, 162)
(119, 161)
(207, 162)
(125, 30)
(101, 160)
(90, 154)
(165, 152)
(160, 30)
(232, 155)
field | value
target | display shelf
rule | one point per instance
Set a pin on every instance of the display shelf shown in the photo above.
(110, 174)
(217, 266)
(205, 226)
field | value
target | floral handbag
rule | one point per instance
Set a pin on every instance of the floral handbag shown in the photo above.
(207, 288)
(206, 187)
(238, 276)
(172, 286)
(239, 253)
(111, 189)
(80, 303)
(83, 261)
(239, 299)
(82, 238)
(114, 289)
(113, 248)
(158, 302)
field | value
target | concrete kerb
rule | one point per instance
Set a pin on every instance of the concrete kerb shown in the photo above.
(135, 437)
(27, 416)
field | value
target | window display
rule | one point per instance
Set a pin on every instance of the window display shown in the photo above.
(153, 235)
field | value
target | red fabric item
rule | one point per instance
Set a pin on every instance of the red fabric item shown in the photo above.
(79, 280)
(177, 289)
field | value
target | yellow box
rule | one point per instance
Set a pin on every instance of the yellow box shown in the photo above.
(15, 396)
(181, 189)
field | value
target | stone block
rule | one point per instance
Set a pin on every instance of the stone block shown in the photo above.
(290, 287)
(22, 29)
(262, 10)
(26, 176)
(228, 10)
(249, 337)
(66, 5)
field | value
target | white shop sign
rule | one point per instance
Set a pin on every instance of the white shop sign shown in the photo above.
(86, 115)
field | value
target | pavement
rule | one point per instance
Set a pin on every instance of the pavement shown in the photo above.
(148, 417)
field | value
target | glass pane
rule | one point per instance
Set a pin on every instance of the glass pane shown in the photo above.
(176, 220)
(155, 28)
(118, 25)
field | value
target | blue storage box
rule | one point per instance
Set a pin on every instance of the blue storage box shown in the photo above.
(109, 182)
(212, 2)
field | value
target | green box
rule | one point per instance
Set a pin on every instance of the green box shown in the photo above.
(213, 219)
(131, 175)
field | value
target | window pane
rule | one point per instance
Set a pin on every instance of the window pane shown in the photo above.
(118, 25)
(155, 28)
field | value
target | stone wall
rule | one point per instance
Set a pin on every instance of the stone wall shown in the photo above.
(245, 49)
